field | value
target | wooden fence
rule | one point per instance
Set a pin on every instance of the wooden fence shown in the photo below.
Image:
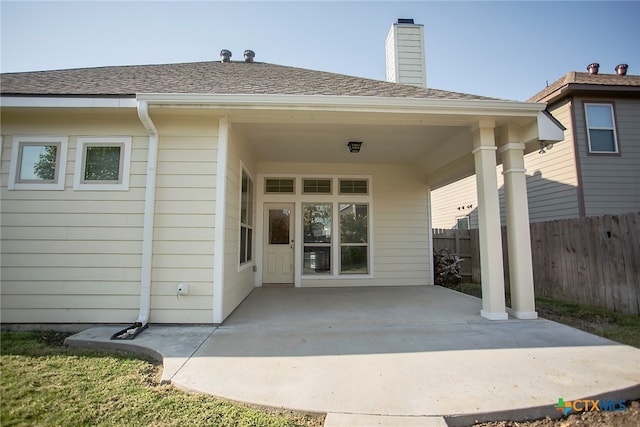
(593, 261)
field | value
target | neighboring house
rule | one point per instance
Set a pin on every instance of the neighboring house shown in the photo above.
(168, 192)
(595, 170)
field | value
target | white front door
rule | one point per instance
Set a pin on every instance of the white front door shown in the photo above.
(278, 243)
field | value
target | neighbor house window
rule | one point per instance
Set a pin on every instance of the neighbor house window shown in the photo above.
(316, 226)
(354, 238)
(601, 131)
(246, 219)
(102, 163)
(462, 223)
(38, 163)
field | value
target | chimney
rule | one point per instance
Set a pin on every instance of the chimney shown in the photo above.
(405, 53)
(225, 55)
(249, 55)
(593, 68)
(621, 69)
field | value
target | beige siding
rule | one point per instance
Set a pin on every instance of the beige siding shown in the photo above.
(72, 256)
(238, 282)
(400, 241)
(611, 182)
(183, 247)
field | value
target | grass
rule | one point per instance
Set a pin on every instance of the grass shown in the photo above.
(44, 383)
(620, 327)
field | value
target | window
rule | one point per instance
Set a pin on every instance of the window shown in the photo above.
(601, 131)
(353, 186)
(246, 219)
(354, 238)
(462, 223)
(38, 163)
(102, 163)
(279, 185)
(316, 186)
(316, 224)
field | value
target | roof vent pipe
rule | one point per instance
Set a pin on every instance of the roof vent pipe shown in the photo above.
(593, 68)
(225, 55)
(621, 69)
(249, 55)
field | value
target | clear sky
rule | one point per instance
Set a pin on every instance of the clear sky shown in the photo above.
(500, 49)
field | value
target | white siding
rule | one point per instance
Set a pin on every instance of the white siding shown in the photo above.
(72, 256)
(405, 55)
(611, 182)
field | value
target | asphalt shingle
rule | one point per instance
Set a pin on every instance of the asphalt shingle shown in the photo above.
(209, 78)
(593, 80)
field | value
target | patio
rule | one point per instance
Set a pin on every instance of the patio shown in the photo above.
(420, 353)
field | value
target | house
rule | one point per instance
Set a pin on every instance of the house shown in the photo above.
(594, 170)
(168, 192)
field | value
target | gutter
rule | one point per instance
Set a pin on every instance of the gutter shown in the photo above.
(147, 231)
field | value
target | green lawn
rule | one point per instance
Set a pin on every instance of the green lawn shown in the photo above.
(624, 328)
(44, 383)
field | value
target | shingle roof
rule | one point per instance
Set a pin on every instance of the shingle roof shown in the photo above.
(587, 81)
(208, 78)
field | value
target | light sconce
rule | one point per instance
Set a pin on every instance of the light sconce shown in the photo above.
(354, 146)
(544, 146)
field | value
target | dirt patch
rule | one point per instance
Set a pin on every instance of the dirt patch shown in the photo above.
(630, 417)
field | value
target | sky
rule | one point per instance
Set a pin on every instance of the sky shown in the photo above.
(502, 49)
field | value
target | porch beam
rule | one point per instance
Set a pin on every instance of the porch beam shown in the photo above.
(518, 236)
(491, 266)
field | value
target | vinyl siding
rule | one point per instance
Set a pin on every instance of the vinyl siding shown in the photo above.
(552, 185)
(183, 246)
(238, 281)
(72, 256)
(400, 239)
(611, 182)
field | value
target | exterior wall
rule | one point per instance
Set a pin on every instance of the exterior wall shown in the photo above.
(184, 226)
(405, 55)
(610, 182)
(552, 185)
(238, 281)
(72, 256)
(399, 250)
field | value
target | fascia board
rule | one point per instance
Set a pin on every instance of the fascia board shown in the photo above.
(65, 102)
(347, 103)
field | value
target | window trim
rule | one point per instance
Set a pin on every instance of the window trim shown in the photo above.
(79, 184)
(61, 162)
(251, 225)
(614, 128)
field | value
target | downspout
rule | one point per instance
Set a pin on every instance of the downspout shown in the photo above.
(149, 213)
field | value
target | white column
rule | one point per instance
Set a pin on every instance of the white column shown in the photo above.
(518, 237)
(491, 267)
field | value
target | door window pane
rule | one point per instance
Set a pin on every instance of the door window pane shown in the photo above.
(279, 220)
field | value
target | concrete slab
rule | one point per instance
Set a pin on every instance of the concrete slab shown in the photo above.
(390, 352)
(357, 420)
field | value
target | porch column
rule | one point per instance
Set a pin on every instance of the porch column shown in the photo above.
(484, 152)
(518, 237)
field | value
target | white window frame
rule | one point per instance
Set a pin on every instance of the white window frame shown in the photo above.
(61, 166)
(79, 184)
(251, 225)
(616, 149)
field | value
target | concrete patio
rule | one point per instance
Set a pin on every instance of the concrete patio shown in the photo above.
(385, 356)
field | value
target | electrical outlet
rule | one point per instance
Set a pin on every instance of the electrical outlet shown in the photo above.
(183, 289)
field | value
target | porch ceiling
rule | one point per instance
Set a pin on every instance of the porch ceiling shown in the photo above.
(382, 143)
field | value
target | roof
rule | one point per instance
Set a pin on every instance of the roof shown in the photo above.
(209, 78)
(586, 81)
